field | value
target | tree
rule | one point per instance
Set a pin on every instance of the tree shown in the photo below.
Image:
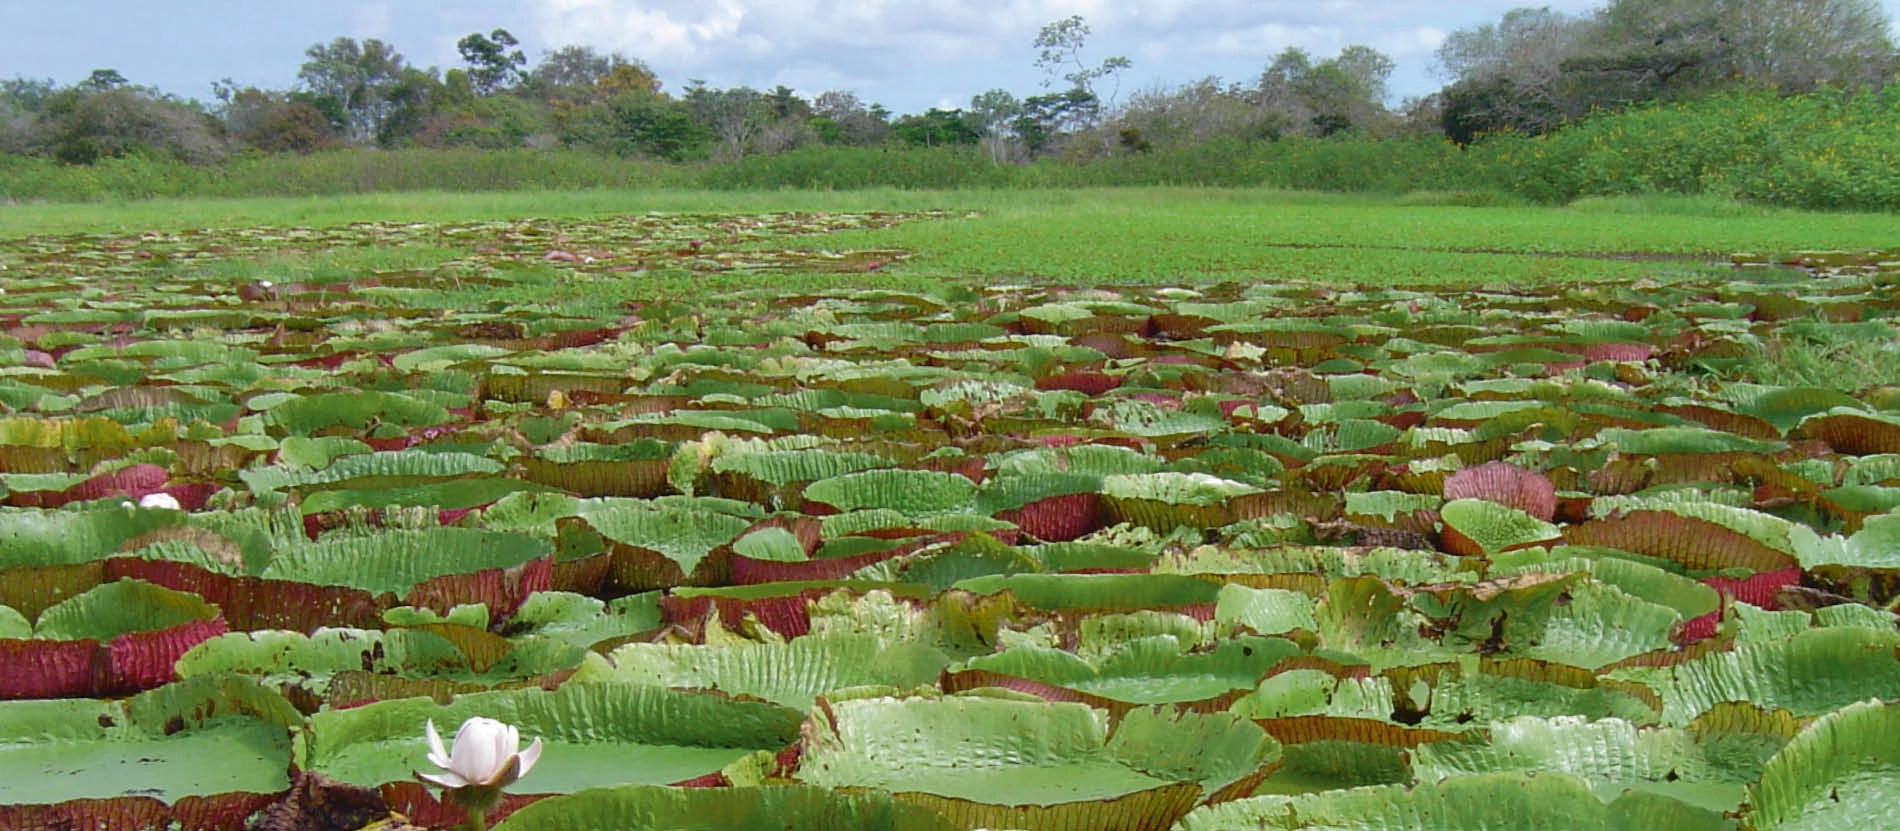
(570, 67)
(492, 67)
(269, 120)
(359, 78)
(21, 99)
(636, 124)
(1364, 72)
(1194, 113)
(996, 112)
(734, 116)
(1677, 48)
(839, 117)
(1059, 46)
(579, 74)
(1655, 49)
(1344, 92)
(936, 127)
(786, 105)
(412, 101)
(84, 123)
(290, 127)
(458, 92)
(1059, 55)
(1348, 91)
(1511, 76)
(1476, 108)
(1421, 116)
(625, 76)
(493, 122)
(103, 79)
(1524, 43)
(1796, 45)
(1047, 117)
(331, 109)
(1536, 69)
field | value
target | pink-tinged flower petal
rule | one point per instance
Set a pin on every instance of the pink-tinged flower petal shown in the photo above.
(444, 779)
(507, 741)
(473, 753)
(438, 756)
(530, 756)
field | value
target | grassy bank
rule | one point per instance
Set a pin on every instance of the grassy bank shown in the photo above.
(1109, 235)
(1179, 219)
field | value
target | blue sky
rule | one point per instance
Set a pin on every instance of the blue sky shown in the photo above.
(905, 54)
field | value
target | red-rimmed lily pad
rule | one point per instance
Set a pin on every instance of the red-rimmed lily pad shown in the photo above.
(114, 639)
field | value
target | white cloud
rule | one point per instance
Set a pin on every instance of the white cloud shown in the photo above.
(1420, 42)
(1266, 40)
(683, 34)
(911, 55)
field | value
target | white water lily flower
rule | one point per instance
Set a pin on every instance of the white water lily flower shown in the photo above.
(486, 754)
(160, 500)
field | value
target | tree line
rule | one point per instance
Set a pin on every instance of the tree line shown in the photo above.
(1531, 72)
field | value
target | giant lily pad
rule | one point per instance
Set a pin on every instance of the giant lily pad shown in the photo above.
(1007, 762)
(769, 808)
(789, 674)
(199, 739)
(595, 735)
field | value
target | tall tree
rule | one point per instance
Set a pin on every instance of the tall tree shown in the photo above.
(734, 116)
(840, 117)
(1195, 113)
(1536, 69)
(21, 97)
(642, 124)
(271, 121)
(1059, 54)
(936, 127)
(359, 78)
(1279, 89)
(1795, 45)
(1511, 75)
(103, 79)
(1348, 91)
(413, 100)
(493, 62)
(997, 111)
(1046, 118)
(1670, 48)
(89, 121)
(628, 76)
(786, 104)
(569, 67)
(1344, 92)
(1524, 43)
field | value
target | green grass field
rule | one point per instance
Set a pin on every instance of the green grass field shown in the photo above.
(1119, 235)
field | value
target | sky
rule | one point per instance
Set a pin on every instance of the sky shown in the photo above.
(905, 54)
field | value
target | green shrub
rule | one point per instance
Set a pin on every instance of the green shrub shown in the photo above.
(1825, 150)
